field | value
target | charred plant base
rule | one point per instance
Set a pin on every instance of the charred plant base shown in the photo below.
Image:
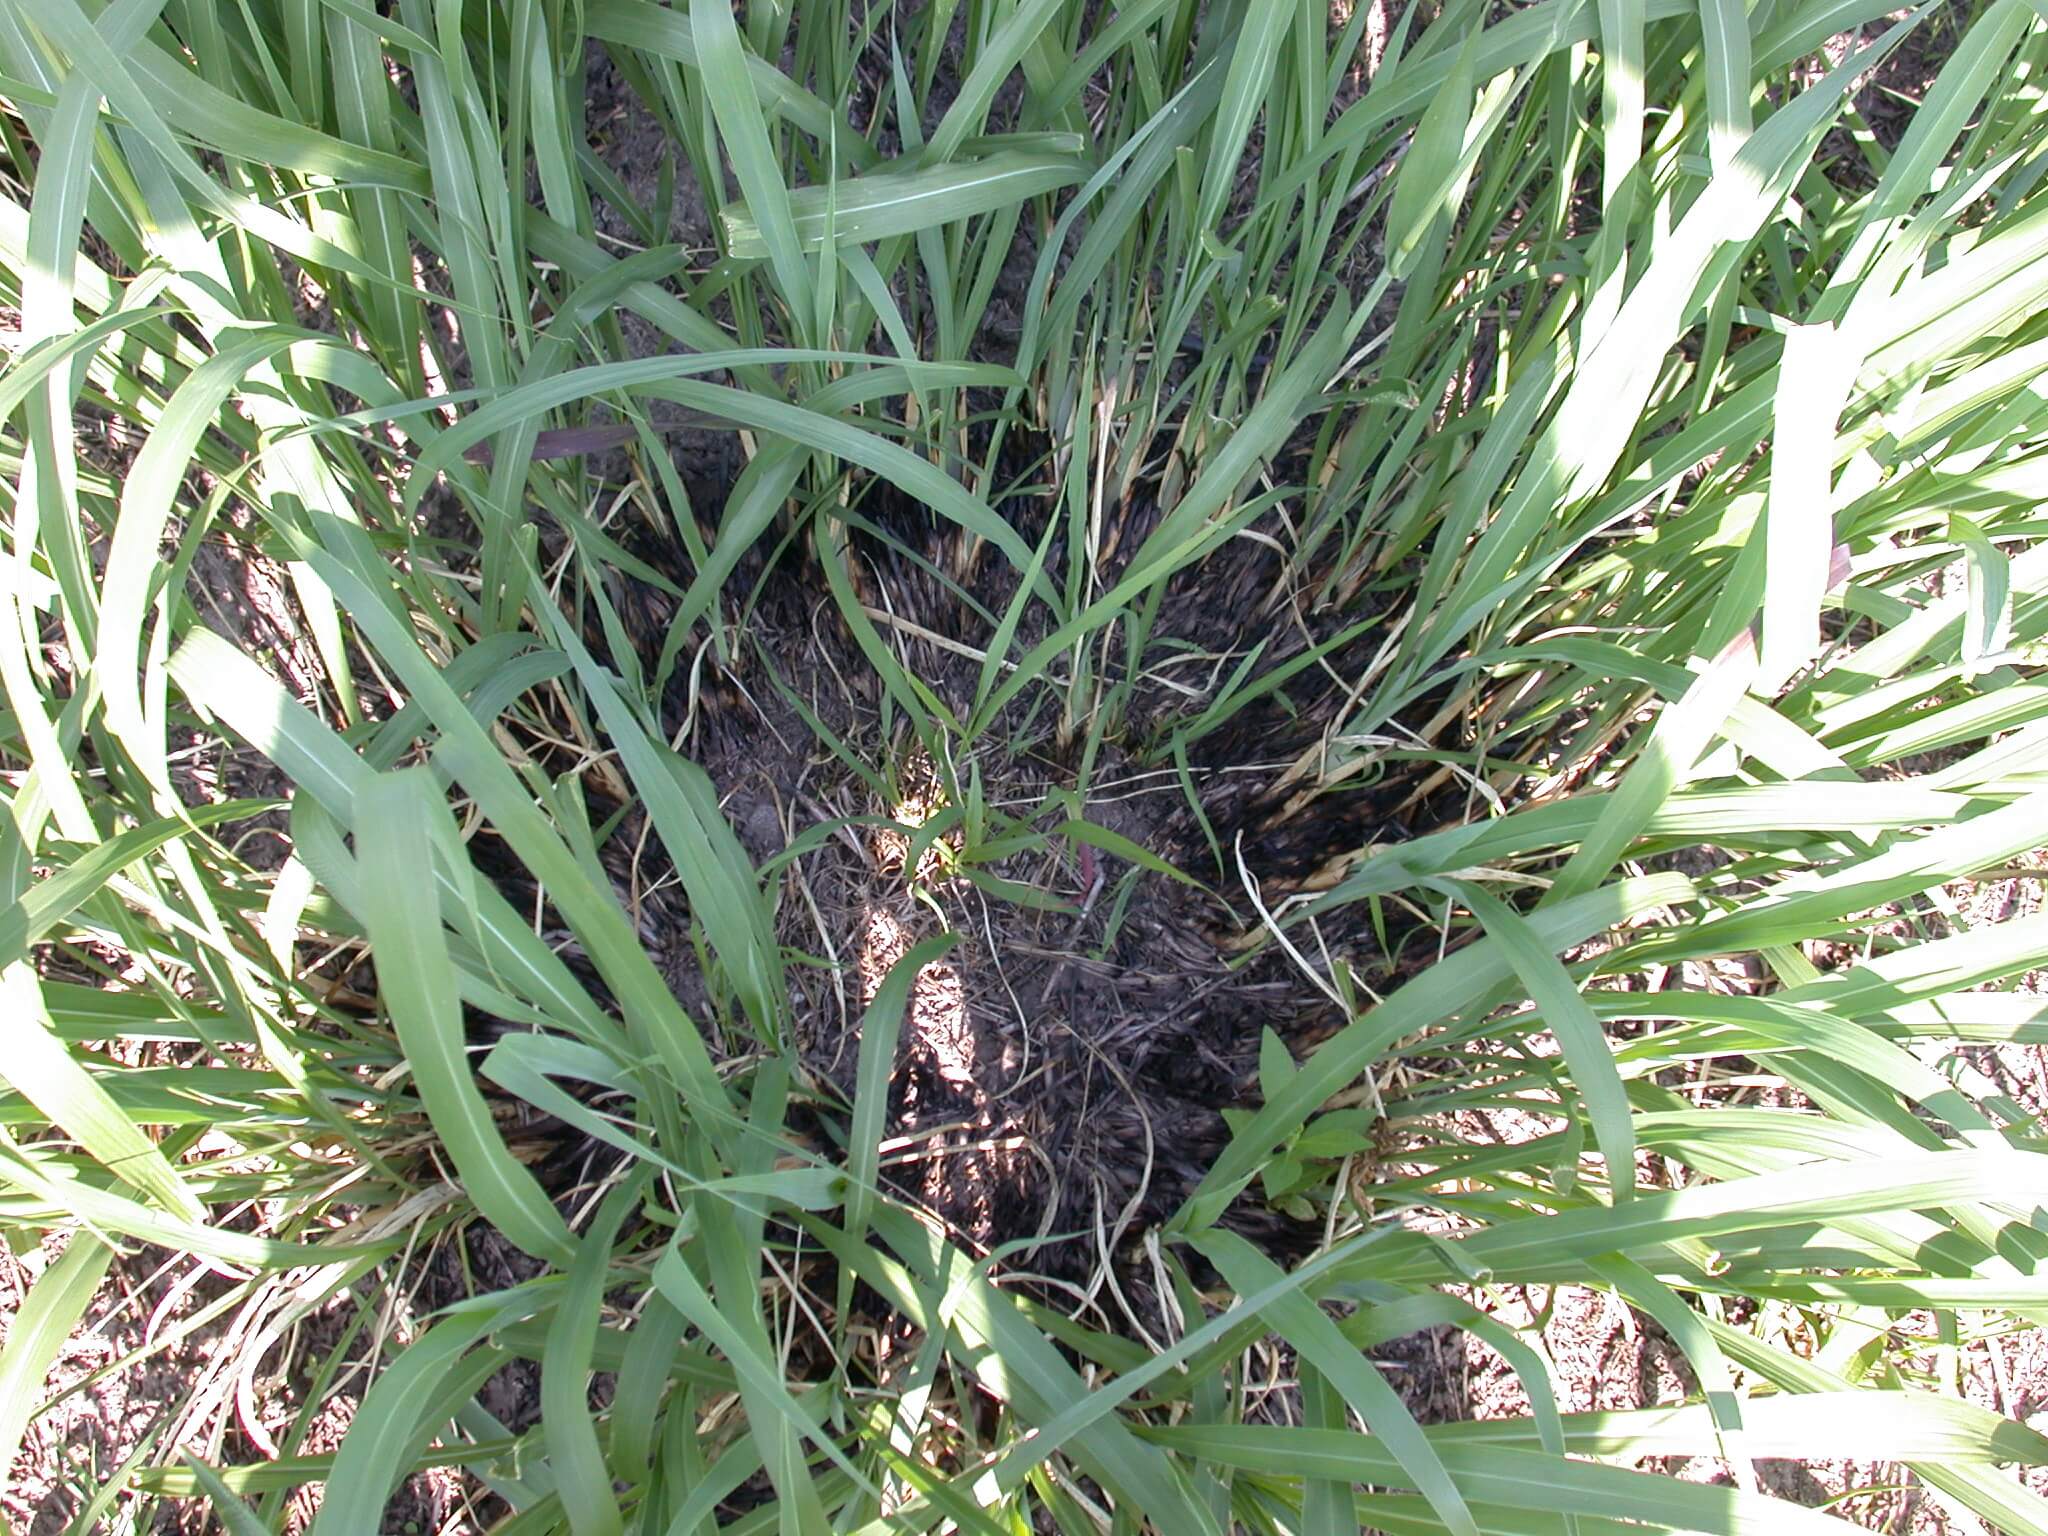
(1063, 1072)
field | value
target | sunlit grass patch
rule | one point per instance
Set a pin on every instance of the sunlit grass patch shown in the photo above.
(999, 732)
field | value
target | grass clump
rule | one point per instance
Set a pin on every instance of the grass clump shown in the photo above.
(947, 714)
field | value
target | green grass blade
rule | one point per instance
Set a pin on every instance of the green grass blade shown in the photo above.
(36, 1334)
(1458, 983)
(1725, 28)
(723, 71)
(880, 1028)
(397, 815)
(885, 203)
(1004, 49)
(1550, 987)
(40, 1068)
(1255, 51)
(1513, 1479)
(1814, 379)
(372, 1457)
(1386, 1417)
(574, 1454)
